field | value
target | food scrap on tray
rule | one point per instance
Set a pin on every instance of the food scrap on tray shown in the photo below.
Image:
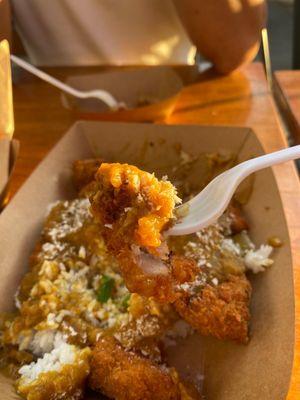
(106, 290)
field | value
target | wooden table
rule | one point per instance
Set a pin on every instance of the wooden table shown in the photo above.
(241, 99)
(287, 90)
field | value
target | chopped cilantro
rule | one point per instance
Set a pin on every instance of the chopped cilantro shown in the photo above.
(105, 290)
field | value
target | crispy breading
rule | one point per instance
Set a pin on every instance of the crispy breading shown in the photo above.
(127, 375)
(184, 269)
(221, 311)
(150, 276)
(149, 321)
(121, 201)
(134, 207)
(128, 193)
(124, 375)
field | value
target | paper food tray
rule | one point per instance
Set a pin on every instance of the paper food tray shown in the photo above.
(259, 370)
(157, 85)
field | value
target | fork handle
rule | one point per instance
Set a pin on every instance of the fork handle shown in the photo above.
(42, 75)
(267, 160)
(102, 94)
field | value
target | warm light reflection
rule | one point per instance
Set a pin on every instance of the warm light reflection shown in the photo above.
(150, 59)
(267, 57)
(164, 48)
(256, 2)
(6, 103)
(162, 51)
(236, 6)
(192, 55)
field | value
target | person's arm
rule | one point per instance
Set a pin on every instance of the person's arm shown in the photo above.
(5, 26)
(226, 32)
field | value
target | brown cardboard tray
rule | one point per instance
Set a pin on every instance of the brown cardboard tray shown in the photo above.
(259, 370)
(156, 86)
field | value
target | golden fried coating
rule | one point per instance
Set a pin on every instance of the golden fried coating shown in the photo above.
(125, 196)
(221, 311)
(238, 221)
(149, 321)
(184, 269)
(134, 207)
(125, 375)
(84, 172)
(149, 275)
(146, 203)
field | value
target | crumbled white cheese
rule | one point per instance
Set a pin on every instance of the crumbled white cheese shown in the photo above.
(43, 341)
(215, 281)
(61, 355)
(258, 260)
(229, 245)
(72, 217)
(39, 342)
(82, 252)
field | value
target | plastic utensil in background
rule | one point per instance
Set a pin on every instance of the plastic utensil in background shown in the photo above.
(102, 95)
(207, 206)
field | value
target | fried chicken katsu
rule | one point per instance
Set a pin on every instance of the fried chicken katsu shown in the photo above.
(221, 311)
(135, 208)
(124, 375)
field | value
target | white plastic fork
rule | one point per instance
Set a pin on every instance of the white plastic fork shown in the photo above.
(207, 206)
(102, 95)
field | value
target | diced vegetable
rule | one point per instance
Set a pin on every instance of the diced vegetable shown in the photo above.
(105, 290)
(274, 241)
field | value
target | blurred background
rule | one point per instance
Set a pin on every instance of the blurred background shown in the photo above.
(281, 32)
(283, 29)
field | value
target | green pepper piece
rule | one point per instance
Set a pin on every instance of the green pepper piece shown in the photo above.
(105, 290)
